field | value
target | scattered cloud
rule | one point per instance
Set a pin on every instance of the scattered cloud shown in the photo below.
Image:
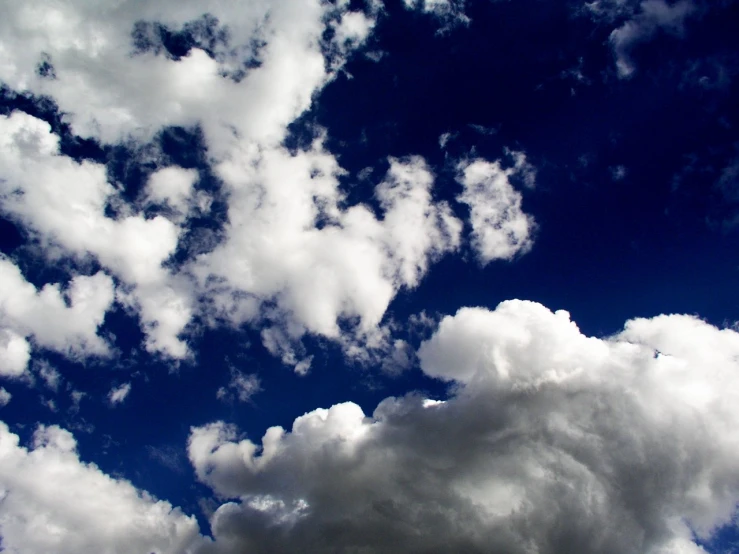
(15, 352)
(118, 394)
(169, 456)
(500, 229)
(241, 387)
(450, 12)
(65, 321)
(618, 172)
(49, 375)
(350, 268)
(546, 440)
(654, 15)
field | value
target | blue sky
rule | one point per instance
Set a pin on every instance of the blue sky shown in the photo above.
(366, 276)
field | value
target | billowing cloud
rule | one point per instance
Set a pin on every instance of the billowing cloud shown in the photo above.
(500, 228)
(251, 69)
(53, 502)
(5, 397)
(551, 442)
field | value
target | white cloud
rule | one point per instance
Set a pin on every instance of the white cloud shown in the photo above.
(15, 352)
(173, 186)
(64, 321)
(654, 15)
(500, 229)
(64, 203)
(110, 94)
(552, 442)
(294, 256)
(117, 395)
(243, 99)
(5, 397)
(53, 502)
(290, 244)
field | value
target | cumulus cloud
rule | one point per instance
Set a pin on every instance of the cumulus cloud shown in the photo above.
(5, 397)
(15, 352)
(552, 441)
(291, 245)
(293, 257)
(500, 228)
(117, 395)
(53, 502)
(293, 254)
(64, 203)
(654, 15)
(64, 321)
(111, 94)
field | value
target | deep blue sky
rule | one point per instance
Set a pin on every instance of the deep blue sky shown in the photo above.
(632, 216)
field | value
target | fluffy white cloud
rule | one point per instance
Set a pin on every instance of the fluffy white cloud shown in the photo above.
(112, 79)
(173, 186)
(500, 228)
(63, 202)
(15, 352)
(291, 244)
(252, 70)
(118, 394)
(53, 502)
(5, 397)
(64, 321)
(654, 15)
(294, 256)
(551, 442)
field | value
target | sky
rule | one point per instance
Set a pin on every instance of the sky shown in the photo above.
(369, 276)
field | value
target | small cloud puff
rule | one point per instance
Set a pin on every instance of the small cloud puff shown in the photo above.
(500, 228)
(118, 394)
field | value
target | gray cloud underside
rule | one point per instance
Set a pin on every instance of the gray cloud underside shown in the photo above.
(550, 442)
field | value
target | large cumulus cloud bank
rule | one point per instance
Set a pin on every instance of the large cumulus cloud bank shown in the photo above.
(550, 441)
